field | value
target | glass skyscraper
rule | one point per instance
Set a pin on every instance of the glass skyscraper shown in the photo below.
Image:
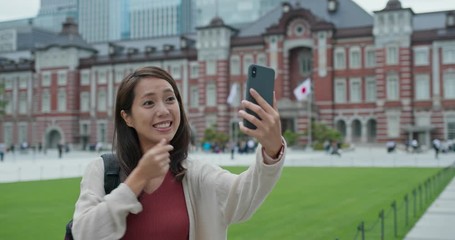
(161, 17)
(53, 13)
(104, 20)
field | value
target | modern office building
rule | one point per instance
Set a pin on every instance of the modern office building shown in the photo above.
(53, 13)
(233, 12)
(104, 20)
(380, 77)
(161, 17)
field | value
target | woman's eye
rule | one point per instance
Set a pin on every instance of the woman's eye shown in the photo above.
(170, 99)
(148, 103)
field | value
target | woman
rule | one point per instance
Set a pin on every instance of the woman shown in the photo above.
(163, 195)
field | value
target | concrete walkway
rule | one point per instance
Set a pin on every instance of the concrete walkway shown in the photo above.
(438, 223)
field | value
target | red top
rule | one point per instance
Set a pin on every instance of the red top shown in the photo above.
(164, 215)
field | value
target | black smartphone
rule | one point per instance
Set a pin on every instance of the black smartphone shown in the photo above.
(261, 79)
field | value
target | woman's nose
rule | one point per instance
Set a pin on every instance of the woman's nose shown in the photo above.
(162, 109)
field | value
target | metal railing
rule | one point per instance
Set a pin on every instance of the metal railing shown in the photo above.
(397, 220)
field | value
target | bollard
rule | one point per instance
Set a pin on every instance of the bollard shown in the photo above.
(381, 216)
(420, 196)
(395, 221)
(361, 228)
(414, 193)
(406, 202)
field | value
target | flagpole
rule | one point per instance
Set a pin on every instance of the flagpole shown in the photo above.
(309, 122)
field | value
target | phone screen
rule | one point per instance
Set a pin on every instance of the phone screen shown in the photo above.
(261, 79)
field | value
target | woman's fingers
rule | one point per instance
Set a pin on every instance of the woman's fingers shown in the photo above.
(261, 101)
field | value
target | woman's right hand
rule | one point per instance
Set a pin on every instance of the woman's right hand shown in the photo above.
(153, 166)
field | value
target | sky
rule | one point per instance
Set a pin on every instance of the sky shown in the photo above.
(17, 9)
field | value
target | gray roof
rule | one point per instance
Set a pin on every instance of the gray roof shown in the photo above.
(29, 37)
(431, 20)
(65, 40)
(140, 44)
(348, 15)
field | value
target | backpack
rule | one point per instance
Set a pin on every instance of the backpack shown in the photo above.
(111, 181)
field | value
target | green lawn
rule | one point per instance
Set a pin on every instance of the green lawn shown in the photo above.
(307, 203)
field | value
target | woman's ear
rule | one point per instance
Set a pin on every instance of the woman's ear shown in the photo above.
(126, 118)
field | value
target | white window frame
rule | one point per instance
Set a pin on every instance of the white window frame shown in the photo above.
(176, 71)
(102, 77)
(449, 84)
(370, 57)
(392, 54)
(234, 65)
(421, 56)
(393, 87)
(102, 101)
(85, 77)
(262, 59)
(46, 101)
(23, 82)
(61, 96)
(85, 101)
(210, 67)
(194, 71)
(22, 103)
(339, 62)
(448, 55)
(101, 131)
(62, 78)
(46, 79)
(355, 58)
(194, 100)
(370, 92)
(119, 75)
(340, 90)
(22, 132)
(422, 87)
(8, 83)
(8, 133)
(210, 94)
(81, 128)
(393, 125)
(247, 61)
(355, 95)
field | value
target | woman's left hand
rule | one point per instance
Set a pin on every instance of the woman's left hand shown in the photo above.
(268, 127)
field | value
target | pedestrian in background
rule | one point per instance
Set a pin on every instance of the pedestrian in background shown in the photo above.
(2, 151)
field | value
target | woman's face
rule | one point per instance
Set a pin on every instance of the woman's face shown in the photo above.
(155, 113)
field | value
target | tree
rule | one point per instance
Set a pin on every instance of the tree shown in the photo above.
(215, 137)
(322, 133)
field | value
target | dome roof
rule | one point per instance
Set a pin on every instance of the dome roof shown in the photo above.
(216, 21)
(393, 5)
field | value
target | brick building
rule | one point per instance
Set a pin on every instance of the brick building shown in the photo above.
(380, 77)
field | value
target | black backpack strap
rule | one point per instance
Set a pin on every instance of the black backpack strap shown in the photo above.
(111, 172)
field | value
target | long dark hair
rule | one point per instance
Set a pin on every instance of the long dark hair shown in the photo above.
(126, 139)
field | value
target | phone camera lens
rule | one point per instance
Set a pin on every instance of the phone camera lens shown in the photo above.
(253, 72)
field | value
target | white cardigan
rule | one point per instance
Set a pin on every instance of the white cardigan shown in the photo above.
(214, 197)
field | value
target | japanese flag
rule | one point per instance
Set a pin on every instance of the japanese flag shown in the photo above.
(303, 90)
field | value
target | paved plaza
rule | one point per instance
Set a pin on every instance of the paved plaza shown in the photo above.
(436, 223)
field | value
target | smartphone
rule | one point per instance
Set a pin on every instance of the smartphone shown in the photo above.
(261, 79)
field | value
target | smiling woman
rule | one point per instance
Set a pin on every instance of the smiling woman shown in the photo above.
(163, 195)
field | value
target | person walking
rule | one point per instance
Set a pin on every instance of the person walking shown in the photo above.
(163, 194)
(436, 147)
(2, 151)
